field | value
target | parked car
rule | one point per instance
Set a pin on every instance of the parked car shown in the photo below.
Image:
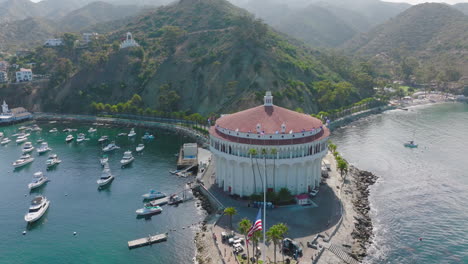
(313, 193)
(291, 248)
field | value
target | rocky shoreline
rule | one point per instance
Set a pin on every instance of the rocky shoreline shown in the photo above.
(362, 232)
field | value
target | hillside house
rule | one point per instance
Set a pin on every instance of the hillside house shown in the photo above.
(53, 43)
(3, 77)
(24, 75)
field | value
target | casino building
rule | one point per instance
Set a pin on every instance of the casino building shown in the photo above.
(291, 143)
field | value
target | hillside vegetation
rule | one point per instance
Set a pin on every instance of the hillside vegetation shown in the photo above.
(204, 56)
(427, 42)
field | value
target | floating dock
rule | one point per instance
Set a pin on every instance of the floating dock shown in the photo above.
(159, 202)
(146, 241)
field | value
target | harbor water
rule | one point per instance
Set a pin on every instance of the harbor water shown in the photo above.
(104, 220)
(419, 204)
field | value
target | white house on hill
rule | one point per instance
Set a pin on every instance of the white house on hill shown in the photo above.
(24, 75)
(53, 42)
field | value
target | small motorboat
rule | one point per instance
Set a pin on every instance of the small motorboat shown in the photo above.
(175, 200)
(5, 141)
(80, 138)
(103, 139)
(112, 146)
(174, 171)
(36, 128)
(40, 140)
(38, 180)
(22, 128)
(122, 134)
(38, 207)
(28, 147)
(22, 139)
(127, 158)
(104, 160)
(1, 134)
(132, 133)
(23, 160)
(66, 130)
(410, 144)
(147, 136)
(149, 209)
(69, 138)
(43, 148)
(140, 148)
(53, 130)
(152, 195)
(106, 178)
(92, 130)
(52, 160)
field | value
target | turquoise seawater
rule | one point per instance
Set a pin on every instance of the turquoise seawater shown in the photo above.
(103, 219)
(421, 193)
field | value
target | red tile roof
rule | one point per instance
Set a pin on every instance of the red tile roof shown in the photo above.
(270, 118)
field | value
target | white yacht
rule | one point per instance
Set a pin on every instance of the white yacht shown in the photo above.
(69, 138)
(92, 130)
(21, 139)
(53, 130)
(112, 146)
(132, 133)
(23, 160)
(52, 160)
(149, 209)
(153, 195)
(28, 147)
(106, 177)
(5, 141)
(38, 180)
(140, 147)
(40, 140)
(122, 134)
(103, 138)
(36, 128)
(1, 134)
(80, 138)
(38, 207)
(127, 158)
(43, 148)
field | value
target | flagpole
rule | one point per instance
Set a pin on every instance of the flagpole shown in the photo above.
(264, 210)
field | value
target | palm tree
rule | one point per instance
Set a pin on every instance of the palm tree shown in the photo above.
(274, 152)
(264, 153)
(342, 166)
(273, 235)
(230, 211)
(256, 236)
(282, 230)
(253, 153)
(244, 227)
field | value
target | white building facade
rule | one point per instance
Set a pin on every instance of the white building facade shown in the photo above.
(53, 42)
(129, 42)
(24, 75)
(290, 147)
(3, 77)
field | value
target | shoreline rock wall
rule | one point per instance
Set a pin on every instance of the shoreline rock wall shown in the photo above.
(362, 232)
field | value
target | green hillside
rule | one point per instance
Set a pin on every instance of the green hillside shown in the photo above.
(427, 41)
(198, 56)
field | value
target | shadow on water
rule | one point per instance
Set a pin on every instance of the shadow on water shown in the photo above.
(148, 216)
(105, 188)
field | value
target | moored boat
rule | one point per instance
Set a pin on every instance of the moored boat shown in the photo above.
(147, 136)
(92, 130)
(104, 160)
(132, 133)
(149, 209)
(38, 180)
(52, 160)
(69, 138)
(53, 130)
(43, 148)
(80, 138)
(140, 148)
(27, 147)
(122, 134)
(38, 207)
(127, 158)
(23, 160)
(103, 138)
(106, 177)
(40, 140)
(21, 139)
(153, 195)
(5, 141)
(112, 146)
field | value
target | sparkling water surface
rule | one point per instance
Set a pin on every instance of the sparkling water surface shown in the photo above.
(103, 219)
(422, 192)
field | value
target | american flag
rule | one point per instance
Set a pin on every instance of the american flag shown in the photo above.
(257, 225)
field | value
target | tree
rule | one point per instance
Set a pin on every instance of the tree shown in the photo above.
(230, 211)
(253, 153)
(275, 235)
(244, 227)
(168, 99)
(69, 40)
(264, 154)
(284, 195)
(332, 147)
(342, 166)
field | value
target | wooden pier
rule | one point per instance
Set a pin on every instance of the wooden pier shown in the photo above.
(146, 241)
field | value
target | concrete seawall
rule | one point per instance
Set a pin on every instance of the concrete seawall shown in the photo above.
(350, 118)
